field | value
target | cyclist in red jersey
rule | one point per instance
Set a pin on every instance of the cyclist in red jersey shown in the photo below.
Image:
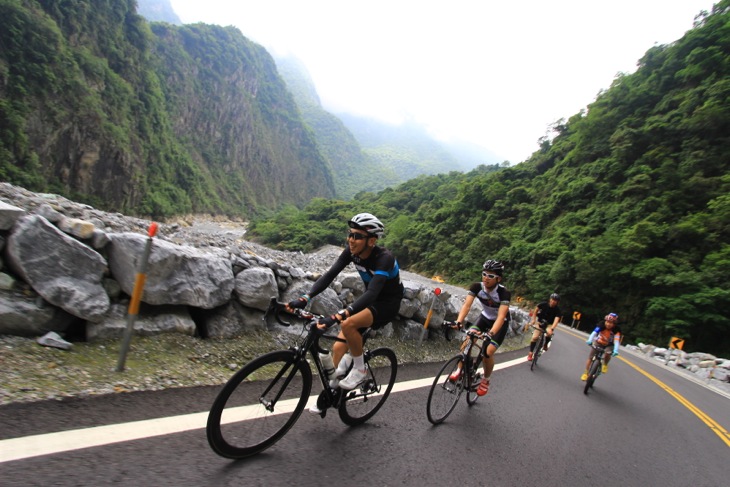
(605, 333)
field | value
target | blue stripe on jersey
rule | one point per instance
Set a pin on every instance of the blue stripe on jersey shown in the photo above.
(388, 275)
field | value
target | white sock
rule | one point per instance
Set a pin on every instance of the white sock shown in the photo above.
(359, 362)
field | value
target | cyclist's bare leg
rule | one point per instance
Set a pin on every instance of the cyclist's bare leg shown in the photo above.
(462, 347)
(351, 333)
(535, 336)
(488, 362)
(339, 349)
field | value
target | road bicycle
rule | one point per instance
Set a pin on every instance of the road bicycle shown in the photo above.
(594, 370)
(263, 400)
(445, 392)
(539, 345)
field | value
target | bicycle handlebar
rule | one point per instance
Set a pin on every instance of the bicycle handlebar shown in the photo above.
(479, 334)
(276, 308)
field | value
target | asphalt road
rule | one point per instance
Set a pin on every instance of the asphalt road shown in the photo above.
(534, 428)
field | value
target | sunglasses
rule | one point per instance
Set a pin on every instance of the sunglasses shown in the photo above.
(489, 276)
(357, 236)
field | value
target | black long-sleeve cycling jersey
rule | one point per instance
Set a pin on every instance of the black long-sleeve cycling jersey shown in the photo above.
(379, 272)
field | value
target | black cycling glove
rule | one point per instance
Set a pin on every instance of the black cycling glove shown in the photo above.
(300, 303)
(329, 321)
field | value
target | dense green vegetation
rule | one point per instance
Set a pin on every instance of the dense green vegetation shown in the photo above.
(625, 209)
(97, 106)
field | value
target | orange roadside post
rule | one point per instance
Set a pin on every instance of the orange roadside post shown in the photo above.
(436, 293)
(133, 310)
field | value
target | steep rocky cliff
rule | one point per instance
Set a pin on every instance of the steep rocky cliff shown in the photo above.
(95, 104)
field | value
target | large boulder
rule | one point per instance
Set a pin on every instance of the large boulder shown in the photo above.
(176, 274)
(255, 287)
(64, 271)
(231, 320)
(28, 316)
(9, 214)
(149, 321)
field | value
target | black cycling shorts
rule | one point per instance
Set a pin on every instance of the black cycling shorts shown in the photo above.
(384, 312)
(483, 324)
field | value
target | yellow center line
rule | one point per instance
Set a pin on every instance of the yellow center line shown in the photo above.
(711, 423)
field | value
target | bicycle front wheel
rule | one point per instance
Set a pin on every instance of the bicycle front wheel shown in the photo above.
(361, 403)
(250, 413)
(592, 374)
(473, 383)
(444, 393)
(537, 351)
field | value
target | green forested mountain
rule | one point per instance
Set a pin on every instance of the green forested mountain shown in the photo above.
(352, 169)
(369, 155)
(625, 209)
(406, 148)
(98, 106)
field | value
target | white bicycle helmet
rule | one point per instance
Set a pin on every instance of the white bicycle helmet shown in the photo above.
(493, 266)
(368, 223)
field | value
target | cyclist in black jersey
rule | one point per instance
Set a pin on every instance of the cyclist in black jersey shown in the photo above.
(377, 306)
(548, 314)
(493, 322)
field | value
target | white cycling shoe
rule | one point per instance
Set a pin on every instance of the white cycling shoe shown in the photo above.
(353, 379)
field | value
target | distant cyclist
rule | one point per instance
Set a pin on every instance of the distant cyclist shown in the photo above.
(605, 333)
(493, 322)
(378, 305)
(548, 315)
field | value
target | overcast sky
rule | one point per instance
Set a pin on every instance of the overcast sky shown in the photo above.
(494, 73)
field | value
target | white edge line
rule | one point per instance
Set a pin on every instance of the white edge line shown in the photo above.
(45, 444)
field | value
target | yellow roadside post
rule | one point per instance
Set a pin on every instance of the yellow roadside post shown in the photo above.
(133, 310)
(436, 293)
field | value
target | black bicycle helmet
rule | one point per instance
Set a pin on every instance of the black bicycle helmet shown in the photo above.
(368, 223)
(493, 266)
(555, 296)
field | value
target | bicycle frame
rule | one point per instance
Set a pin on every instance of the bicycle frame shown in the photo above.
(470, 361)
(539, 344)
(310, 344)
(446, 389)
(467, 360)
(245, 419)
(594, 369)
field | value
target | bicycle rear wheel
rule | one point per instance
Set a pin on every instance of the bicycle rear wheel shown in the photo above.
(444, 394)
(251, 414)
(361, 403)
(592, 374)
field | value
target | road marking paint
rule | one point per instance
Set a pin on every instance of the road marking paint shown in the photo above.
(711, 423)
(46, 444)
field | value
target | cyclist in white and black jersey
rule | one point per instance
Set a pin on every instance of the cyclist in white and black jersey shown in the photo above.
(493, 321)
(377, 306)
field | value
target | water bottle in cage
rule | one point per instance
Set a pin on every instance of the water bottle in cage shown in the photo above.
(328, 364)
